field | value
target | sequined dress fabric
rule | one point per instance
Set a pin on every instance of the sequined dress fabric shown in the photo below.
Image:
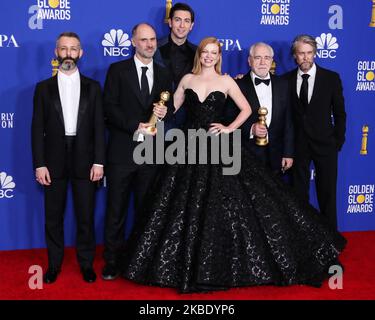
(205, 231)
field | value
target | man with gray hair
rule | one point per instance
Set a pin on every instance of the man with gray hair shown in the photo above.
(263, 89)
(131, 88)
(320, 122)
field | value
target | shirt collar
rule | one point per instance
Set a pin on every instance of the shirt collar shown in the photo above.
(139, 64)
(253, 76)
(73, 77)
(175, 46)
(311, 72)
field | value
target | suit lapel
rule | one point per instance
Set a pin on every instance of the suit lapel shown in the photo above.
(56, 101)
(317, 85)
(275, 106)
(83, 100)
(155, 86)
(251, 94)
(299, 106)
(134, 81)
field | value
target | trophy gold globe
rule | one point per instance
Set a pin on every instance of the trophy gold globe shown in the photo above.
(164, 97)
(262, 112)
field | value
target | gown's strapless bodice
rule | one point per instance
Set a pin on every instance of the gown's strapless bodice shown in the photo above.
(200, 114)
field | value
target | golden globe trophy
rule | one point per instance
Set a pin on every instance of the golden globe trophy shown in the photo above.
(273, 68)
(55, 66)
(164, 97)
(168, 7)
(364, 140)
(262, 111)
(372, 23)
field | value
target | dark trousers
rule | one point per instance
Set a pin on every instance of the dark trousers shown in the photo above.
(325, 179)
(122, 180)
(55, 203)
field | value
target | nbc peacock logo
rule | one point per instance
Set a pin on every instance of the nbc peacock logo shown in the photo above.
(116, 43)
(7, 186)
(327, 45)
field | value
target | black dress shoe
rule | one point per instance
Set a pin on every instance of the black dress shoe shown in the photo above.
(110, 272)
(88, 274)
(51, 275)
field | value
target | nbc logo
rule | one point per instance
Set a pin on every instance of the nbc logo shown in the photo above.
(365, 75)
(326, 45)
(6, 186)
(116, 43)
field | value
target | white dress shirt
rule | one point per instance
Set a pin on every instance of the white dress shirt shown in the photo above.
(150, 78)
(149, 73)
(70, 91)
(310, 80)
(264, 94)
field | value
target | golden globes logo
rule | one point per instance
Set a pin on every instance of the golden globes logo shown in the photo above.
(53, 10)
(366, 75)
(275, 12)
(364, 140)
(360, 198)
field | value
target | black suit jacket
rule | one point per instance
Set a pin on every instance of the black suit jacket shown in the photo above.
(48, 131)
(314, 125)
(123, 107)
(163, 56)
(280, 131)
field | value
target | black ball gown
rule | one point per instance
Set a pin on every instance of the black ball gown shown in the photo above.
(205, 231)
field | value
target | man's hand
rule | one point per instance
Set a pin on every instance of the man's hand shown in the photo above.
(259, 130)
(286, 163)
(42, 176)
(159, 110)
(144, 128)
(96, 173)
(239, 76)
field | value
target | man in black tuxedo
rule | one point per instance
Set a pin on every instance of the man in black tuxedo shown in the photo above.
(262, 89)
(320, 124)
(176, 53)
(130, 89)
(68, 144)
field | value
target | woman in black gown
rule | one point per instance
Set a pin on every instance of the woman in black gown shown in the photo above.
(205, 231)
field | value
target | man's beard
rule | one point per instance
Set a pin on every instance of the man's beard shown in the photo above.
(67, 63)
(306, 66)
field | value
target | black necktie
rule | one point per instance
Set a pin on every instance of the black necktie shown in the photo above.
(265, 81)
(304, 92)
(145, 89)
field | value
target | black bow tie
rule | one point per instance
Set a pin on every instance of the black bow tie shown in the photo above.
(265, 81)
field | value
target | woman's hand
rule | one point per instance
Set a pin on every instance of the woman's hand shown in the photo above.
(218, 128)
